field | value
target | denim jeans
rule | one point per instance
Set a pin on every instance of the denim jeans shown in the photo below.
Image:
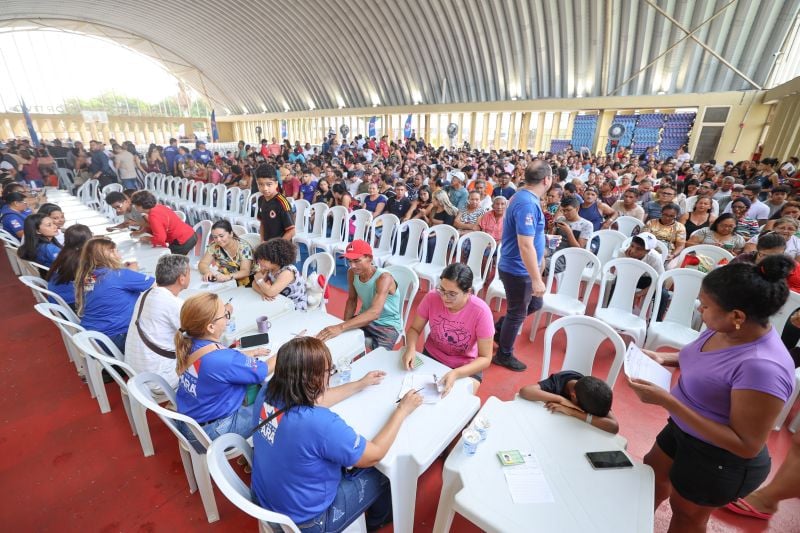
(119, 341)
(131, 183)
(363, 490)
(239, 422)
(520, 304)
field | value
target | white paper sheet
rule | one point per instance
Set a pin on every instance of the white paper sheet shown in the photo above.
(638, 365)
(527, 482)
(425, 384)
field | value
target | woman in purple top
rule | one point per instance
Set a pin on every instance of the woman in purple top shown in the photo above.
(735, 379)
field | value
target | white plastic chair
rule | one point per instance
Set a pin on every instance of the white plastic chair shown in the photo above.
(301, 212)
(249, 218)
(610, 241)
(414, 229)
(181, 215)
(481, 253)
(203, 231)
(237, 491)
(194, 462)
(388, 224)
(430, 269)
(779, 319)
(238, 229)
(317, 215)
(567, 299)
(253, 239)
(111, 187)
(618, 311)
(407, 287)
(356, 228)
(92, 344)
(338, 227)
(13, 258)
(361, 197)
(496, 289)
(627, 225)
(323, 264)
(31, 268)
(41, 293)
(87, 193)
(584, 336)
(715, 253)
(68, 325)
(10, 239)
(235, 204)
(675, 330)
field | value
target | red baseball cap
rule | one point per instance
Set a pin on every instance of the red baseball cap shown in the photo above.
(357, 249)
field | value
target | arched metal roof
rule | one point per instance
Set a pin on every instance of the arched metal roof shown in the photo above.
(266, 56)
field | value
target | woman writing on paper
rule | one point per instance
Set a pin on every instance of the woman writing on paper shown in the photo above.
(461, 326)
(735, 379)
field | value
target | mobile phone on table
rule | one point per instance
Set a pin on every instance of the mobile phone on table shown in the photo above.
(608, 460)
(256, 339)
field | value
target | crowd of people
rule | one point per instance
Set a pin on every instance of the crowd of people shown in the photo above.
(524, 201)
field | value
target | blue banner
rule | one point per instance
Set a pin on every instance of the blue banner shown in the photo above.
(29, 124)
(214, 130)
(284, 133)
(371, 129)
(407, 128)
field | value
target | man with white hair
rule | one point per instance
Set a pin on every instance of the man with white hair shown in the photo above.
(456, 191)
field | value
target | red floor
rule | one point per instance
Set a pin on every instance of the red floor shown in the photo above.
(64, 466)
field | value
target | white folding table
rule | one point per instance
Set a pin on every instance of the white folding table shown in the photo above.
(424, 434)
(584, 499)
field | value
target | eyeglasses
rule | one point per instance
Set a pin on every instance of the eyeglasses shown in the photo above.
(226, 316)
(449, 295)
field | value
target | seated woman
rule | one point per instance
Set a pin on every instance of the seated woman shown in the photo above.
(442, 211)
(700, 217)
(735, 378)
(302, 448)
(745, 226)
(374, 202)
(719, 233)
(667, 229)
(323, 193)
(277, 273)
(791, 209)
(61, 277)
(213, 379)
(424, 203)
(787, 228)
(467, 219)
(227, 257)
(165, 226)
(462, 328)
(39, 240)
(53, 211)
(105, 291)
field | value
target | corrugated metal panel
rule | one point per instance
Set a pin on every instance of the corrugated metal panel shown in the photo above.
(262, 56)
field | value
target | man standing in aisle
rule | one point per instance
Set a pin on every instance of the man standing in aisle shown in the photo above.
(523, 245)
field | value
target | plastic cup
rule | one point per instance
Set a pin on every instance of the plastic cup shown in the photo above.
(481, 425)
(470, 438)
(344, 371)
(263, 324)
(553, 241)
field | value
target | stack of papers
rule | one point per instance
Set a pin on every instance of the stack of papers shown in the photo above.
(638, 365)
(424, 384)
(527, 482)
(215, 287)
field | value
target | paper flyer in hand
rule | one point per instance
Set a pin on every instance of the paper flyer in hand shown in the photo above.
(424, 384)
(638, 365)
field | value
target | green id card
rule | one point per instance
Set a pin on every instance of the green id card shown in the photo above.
(510, 457)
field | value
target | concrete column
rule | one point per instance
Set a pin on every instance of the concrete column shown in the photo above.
(601, 134)
(524, 131)
(513, 131)
(554, 128)
(473, 123)
(498, 126)
(539, 139)
(485, 133)
(571, 124)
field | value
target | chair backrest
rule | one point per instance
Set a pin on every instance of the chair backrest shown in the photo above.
(10, 239)
(203, 231)
(253, 239)
(322, 263)
(610, 241)
(778, 320)
(389, 224)
(251, 205)
(238, 230)
(415, 228)
(41, 291)
(111, 187)
(97, 345)
(139, 388)
(686, 287)
(626, 225)
(235, 201)
(361, 196)
(301, 215)
(576, 261)
(220, 197)
(584, 336)
(482, 245)
(358, 224)
(66, 178)
(337, 224)
(31, 268)
(407, 287)
(67, 323)
(445, 248)
(627, 274)
(715, 253)
(181, 215)
(232, 486)
(13, 258)
(320, 212)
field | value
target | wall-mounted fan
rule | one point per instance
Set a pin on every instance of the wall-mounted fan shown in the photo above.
(616, 131)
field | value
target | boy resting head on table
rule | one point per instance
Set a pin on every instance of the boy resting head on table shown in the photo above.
(586, 398)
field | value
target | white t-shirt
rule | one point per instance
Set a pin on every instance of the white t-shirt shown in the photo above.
(758, 210)
(160, 321)
(792, 246)
(486, 203)
(688, 205)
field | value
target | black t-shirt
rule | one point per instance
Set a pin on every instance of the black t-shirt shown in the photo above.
(557, 383)
(275, 216)
(399, 208)
(445, 217)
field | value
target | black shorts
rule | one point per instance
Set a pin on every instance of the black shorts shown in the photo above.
(707, 475)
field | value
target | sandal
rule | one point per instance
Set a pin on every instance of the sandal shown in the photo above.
(744, 508)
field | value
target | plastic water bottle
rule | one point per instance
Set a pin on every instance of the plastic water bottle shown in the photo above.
(344, 369)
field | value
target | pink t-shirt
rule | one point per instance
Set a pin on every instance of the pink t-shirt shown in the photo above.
(453, 340)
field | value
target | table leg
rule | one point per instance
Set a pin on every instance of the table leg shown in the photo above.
(403, 478)
(445, 513)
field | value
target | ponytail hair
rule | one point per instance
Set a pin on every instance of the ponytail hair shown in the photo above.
(761, 289)
(197, 313)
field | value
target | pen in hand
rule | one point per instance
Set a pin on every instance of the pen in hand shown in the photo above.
(418, 390)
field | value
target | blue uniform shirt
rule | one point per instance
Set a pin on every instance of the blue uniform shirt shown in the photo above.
(202, 156)
(307, 191)
(13, 221)
(524, 216)
(298, 458)
(65, 290)
(215, 385)
(109, 301)
(46, 253)
(170, 153)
